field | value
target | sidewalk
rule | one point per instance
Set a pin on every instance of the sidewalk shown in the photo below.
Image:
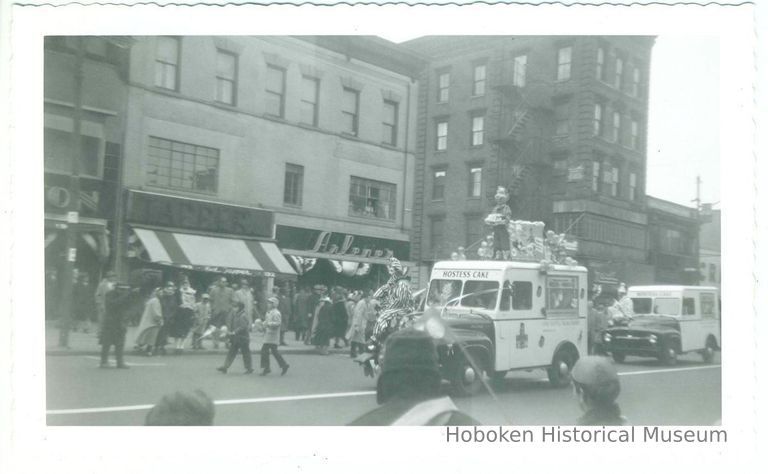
(87, 344)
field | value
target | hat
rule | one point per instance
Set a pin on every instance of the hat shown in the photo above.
(319, 288)
(598, 377)
(182, 409)
(205, 296)
(273, 300)
(408, 350)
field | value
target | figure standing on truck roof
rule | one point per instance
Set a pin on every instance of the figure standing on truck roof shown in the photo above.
(499, 219)
(396, 302)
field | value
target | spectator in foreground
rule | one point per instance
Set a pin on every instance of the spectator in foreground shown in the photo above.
(182, 409)
(596, 385)
(408, 389)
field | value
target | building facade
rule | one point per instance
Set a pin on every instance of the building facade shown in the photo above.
(559, 121)
(309, 137)
(710, 266)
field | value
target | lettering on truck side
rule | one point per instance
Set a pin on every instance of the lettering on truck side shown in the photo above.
(475, 274)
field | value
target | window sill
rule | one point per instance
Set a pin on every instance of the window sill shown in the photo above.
(292, 206)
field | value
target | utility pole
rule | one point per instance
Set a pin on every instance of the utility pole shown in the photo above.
(73, 210)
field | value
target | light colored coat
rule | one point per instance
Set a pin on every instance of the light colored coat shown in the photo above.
(272, 323)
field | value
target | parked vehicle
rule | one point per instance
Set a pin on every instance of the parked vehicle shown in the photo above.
(668, 321)
(498, 316)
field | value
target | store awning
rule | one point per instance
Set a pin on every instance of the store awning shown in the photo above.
(214, 254)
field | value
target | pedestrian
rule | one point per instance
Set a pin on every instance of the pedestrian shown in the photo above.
(621, 309)
(245, 296)
(115, 324)
(83, 303)
(362, 313)
(169, 302)
(101, 290)
(408, 388)
(300, 312)
(284, 306)
(202, 318)
(184, 316)
(222, 298)
(340, 318)
(150, 324)
(597, 321)
(272, 325)
(182, 409)
(313, 305)
(596, 386)
(239, 339)
(352, 298)
(321, 337)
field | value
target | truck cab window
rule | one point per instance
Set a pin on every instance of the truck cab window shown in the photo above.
(480, 294)
(689, 306)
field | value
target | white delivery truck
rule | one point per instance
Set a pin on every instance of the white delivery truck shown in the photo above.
(508, 315)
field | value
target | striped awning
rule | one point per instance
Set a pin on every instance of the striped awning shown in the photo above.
(214, 254)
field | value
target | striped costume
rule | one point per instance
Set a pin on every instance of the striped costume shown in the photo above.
(397, 304)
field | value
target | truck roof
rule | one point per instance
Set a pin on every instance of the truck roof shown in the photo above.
(501, 265)
(670, 288)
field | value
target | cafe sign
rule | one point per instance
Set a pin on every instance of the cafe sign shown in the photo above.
(198, 215)
(338, 245)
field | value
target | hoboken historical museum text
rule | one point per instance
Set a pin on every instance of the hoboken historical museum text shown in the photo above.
(592, 434)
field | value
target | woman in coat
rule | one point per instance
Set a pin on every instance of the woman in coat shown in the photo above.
(151, 321)
(324, 329)
(340, 319)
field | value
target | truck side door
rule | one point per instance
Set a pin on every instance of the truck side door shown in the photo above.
(517, 318)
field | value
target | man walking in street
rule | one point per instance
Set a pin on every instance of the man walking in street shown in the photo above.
(240, 339)
(222, 298)
(272, 325)
(101, 291)
(114, 324)
(245, 296)
(300, 311)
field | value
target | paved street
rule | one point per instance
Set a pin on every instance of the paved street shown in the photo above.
(331, 390)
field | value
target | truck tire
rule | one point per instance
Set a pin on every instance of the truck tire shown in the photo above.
(618, 357)
(560, 371)
(465, 380)
(668, 354)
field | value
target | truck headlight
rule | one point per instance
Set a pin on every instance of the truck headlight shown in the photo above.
(607, 337)
(652, 339)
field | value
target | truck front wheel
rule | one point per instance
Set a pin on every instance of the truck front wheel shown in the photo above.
(465, 379)
(560, 371)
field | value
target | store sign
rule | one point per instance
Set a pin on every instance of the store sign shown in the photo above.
(191, 214)
(338, 245)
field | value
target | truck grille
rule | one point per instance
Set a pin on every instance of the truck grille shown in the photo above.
(627, 340)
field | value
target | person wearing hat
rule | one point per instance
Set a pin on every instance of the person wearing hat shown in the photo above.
(149, 326)
(182, 409)
(622, 309)
(596, 386)
(272, 325)
(240, 339)
(202, 317)
(408, 388)
(106, 284)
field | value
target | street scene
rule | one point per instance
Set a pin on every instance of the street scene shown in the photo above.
(348, 230)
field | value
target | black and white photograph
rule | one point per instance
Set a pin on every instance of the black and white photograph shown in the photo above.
(522, 232)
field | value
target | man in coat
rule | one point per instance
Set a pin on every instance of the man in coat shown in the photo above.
(272, 329)
(240, 339)
(408, 388)
(114, 325)
(596, 386)
(101, 291)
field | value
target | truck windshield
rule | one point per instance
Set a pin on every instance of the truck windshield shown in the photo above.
(658, 305)
(480, 294)
(642, 305)
(443, 291)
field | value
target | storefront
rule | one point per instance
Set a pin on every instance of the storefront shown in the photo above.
(336, 258)
(204, 240)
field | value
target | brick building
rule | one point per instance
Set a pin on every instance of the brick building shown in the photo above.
(306, 140)
(560, 121)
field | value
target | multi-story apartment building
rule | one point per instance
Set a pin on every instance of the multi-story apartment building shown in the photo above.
(710, 265)
(673, 250)
(293, 145)
(560, 121)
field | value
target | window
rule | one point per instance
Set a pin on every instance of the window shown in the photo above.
(474, 233)
(167, 63)
(350, 103)
(438, 185)
(442, 136)
(180, 165)
(636, 82)
(294, 184)
(275, 93)
(443, 86)
(475, 181)
(562, 118)
(634, 141)
(596, 176)
(689, 306)
(310, 92)
(389, 124)
(597, 127)
(600, 73)
(632, 186)
(478, 130)
(712, 273)
(478, 81)
(369, 198)
(58, 152)
(442, 292)
(562, 295)
(616, 130)
(564, 63)
(611, 180)
(226, 77)
(517, 295)
(518, 74)
(618, 73)
(707, 304)
(480, 294)
(437, 235)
